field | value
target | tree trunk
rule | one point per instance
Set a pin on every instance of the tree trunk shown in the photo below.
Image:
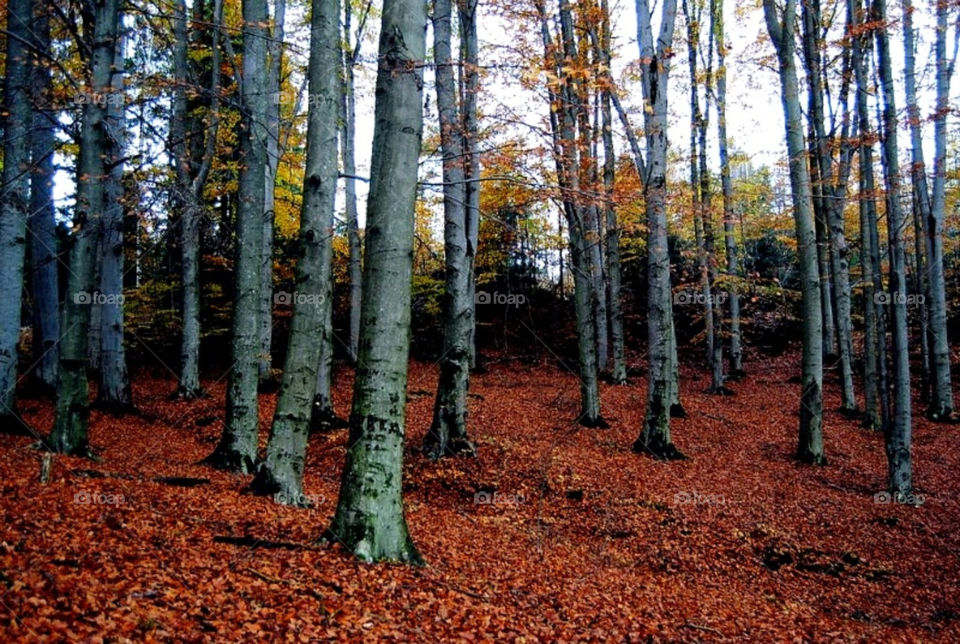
(662, 382)
(114, 390)
(868, 222)
(14, 201)
(370, 520)
(351, 54)
(614, 306)
(726, 186)
(237, 449)
(42, 224)
(448, 430)
(69, 434)
(274, 152)
(470, 59)
(810, 441)
(941, 399)
(191, 178)
(281, 474)
(898, 436)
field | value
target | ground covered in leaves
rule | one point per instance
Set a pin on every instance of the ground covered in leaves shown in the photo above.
(552, 533)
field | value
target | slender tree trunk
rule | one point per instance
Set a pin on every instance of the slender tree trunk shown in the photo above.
(114, 390)
(726, 186)
(941, 399)
(470, 59)
(191, 179)
(237, 449)
(614, 306)
(810, 441)
(369, 520)
(69, 434)
(281, 474)
(898, 436)
(14, 201)
(42, 223)
(324, 418)
(868, 221)
(448, 430)
(274, 152)
(351, 54)
(662, 385)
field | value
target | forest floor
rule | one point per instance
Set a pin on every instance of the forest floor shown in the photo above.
(552, 533)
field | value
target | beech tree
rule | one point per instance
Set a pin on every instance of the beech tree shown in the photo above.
(281, 474)
(662, 387)
(369, 519)
(237, 449)
(42, 223)
(448, 430)
(810, 442)
(14, 200)
(897, 436)
(69, 434)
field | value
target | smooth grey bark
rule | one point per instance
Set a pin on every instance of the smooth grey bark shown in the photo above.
(191, 176)
(14, 202)
(274, 152)
(563, 119)
(281, 473)
(42, 225)
(829, 177)
(351, 54)
(869, 254)
(469, 114)
(370, 521)
(612, 238)
(810, 438)
(69, 434)
(114, 387)
(898, 434)
(447, 435)
(324, 418)
(941, 398)
(237, 449)
(662, 389)
(921, 195)
(726, 187)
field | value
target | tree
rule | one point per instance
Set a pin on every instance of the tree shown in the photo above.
(469, 95)
(42, 223)
(941, 399)
(897, 436)
(14, 201)
(448, 430)
(274, 152)
(114, 390)
(69, 434)
(191, 177)
(351, 55)
(370, 520)
(810, 442)
(237, 449)
(661, 343)
(281, 474)
(726, 186)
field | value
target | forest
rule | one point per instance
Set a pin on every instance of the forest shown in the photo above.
(473, 320)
